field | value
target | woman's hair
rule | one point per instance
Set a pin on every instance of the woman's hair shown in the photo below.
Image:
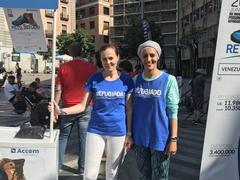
(103, 48)
(98, 60)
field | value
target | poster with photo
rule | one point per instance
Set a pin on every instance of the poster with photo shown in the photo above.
(26, 30)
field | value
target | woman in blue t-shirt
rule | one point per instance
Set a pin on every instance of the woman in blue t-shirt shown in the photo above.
(155, 110)
(110, 92)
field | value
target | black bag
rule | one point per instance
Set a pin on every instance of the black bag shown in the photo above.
(30, 132)
(40, 116)
(128, 169)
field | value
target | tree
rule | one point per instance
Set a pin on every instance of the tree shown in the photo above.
(134, 36)
(80, 35)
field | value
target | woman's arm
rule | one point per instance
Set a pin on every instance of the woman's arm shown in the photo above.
(129, 113)
(74, 109)
(128, 141)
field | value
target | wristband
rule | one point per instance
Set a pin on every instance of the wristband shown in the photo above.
(61, 112)
(129, 134)
(174, 138)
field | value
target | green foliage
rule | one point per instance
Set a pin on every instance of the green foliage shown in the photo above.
(47, 54)
(80, 35)
(134, 36)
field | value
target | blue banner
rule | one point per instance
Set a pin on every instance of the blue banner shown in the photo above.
(29, 4)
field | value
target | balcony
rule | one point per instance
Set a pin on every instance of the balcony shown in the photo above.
(64, 16)
(49, 13)
(49, 33)
(64, 1)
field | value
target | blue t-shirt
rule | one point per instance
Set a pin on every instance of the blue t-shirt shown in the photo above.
(151, 120)
(108, 116)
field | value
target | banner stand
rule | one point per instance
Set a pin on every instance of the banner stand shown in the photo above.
(53, 72)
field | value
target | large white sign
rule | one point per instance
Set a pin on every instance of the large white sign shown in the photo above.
(25, 26)
(27, 159)
(221, 157)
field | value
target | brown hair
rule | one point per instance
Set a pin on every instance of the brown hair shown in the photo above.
(103, 48)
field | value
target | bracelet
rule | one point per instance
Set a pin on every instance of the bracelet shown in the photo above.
(174, 139)
(129, 134)
(62, 112)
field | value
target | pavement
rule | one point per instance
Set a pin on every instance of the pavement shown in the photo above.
(184, 166)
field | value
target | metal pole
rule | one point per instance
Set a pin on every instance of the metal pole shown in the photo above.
(53, 71)
(142, 9)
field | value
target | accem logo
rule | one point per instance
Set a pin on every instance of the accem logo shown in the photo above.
(24, 151)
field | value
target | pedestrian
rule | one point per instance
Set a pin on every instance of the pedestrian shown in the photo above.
(18, 70)
(70, 84)
(111, 116)
(97, 61)
(198, 87)
(14, 95)
(126, 67)
(155, 111)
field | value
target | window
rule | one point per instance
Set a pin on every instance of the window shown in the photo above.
(105, 25)
(92, 24)
(82, 13)
(91, 11)
(106, 10)
(49, 26)
(82, 25)
(64, 28)
(106, 39)
(64, 10)
(16, 57)
(49, 43)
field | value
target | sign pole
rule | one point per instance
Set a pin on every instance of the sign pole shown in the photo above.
(53, 71)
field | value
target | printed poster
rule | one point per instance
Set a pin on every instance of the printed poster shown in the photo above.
(26, 30)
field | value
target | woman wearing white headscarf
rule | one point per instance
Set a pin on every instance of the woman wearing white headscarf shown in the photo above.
(155, 111)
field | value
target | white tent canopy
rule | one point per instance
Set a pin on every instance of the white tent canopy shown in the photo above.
(64, 57)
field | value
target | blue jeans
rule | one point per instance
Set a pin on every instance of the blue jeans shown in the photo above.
(66, 125)
(153, 165)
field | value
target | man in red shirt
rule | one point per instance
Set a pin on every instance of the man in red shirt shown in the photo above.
(70, 88)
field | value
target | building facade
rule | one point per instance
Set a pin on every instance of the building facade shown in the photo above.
(35, 63)
(96, 17)
(198, 27)
(162, 12)
(66, 19)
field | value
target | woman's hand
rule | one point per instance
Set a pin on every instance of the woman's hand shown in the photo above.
(171, 148)
(128, 142)
(56, 109)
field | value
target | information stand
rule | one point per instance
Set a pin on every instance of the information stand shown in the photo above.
(31, 158)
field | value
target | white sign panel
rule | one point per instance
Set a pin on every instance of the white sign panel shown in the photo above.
(221, 157)
(27, 159)
(25, 26)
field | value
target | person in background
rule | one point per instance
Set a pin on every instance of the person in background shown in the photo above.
(18, 69)
(3, 76)
(198, 88)
(155, 110)
(126, 67)
(19, 82)
(40, 90)
(14, 95)
(111, 116)
(70, 88)
(97, 61)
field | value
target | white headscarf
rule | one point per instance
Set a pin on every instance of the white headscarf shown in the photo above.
(151, 44)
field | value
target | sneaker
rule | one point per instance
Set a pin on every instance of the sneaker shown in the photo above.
(19, 21)
(81, 171)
